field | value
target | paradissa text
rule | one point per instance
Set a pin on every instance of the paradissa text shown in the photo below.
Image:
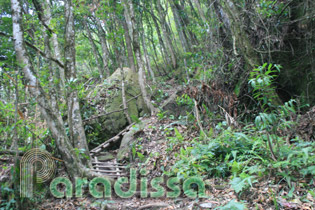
(173, 185)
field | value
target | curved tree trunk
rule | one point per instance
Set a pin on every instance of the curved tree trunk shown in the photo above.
(54, 121)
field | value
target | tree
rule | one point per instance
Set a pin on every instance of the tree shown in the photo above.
(105, 51)
(74, 164)
(94, 48)
(166, 35)
(76, 129)
(129, 14)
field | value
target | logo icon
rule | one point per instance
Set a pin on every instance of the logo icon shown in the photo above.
(36, 166)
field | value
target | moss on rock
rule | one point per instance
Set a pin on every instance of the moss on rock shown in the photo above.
(113, 123)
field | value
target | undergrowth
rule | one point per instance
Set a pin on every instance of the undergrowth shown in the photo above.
(251, 153)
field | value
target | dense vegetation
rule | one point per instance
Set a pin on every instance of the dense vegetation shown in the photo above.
(239, 75)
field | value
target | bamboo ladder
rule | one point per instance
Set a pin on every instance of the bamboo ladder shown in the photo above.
(109, 168)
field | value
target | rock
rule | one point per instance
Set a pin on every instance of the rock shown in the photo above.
(206, 205)
(136, 107)
(129, 137)
(105, 157)
(107, 98)
(306, 126)
(111, 207)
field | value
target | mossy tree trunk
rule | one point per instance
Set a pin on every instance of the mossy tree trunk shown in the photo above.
(241, 43)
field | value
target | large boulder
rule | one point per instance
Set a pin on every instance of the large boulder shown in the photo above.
(107, 98)
(129, 137)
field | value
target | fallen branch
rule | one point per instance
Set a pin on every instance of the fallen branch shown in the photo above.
(229, 119)
(154, 205)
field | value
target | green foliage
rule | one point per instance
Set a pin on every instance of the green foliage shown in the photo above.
(161, 115)
(7, 199)
(7, 203)
(185, 100)
(135, 119)
(242, 182)
(268, 8)
(245, 153)
(81, 152)
(232, 205)
(141, 156)
(188, 103)
(261, 79)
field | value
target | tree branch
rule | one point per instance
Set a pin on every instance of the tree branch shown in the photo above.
(10, 152)
(44, 55)
(101, 115)
(40, 12)
(36, 49)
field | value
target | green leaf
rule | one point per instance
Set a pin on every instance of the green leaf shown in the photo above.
(135, 119)
(140, 155)
(233, 205)
(238, 184)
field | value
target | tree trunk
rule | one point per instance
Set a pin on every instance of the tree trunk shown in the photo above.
(239, 34)
(163, 50)
(76, 129)
(128, 6)
(146, 56)
(117, 47)
(165, 33)
(54, 121)
(180, 27)
(129, 46)
(94, 48)
(105, 51)
(58, 56)
(200, 11)
(242, 42)
(44, 13)
(123, 95)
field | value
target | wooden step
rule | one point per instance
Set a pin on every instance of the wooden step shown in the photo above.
(110, 169)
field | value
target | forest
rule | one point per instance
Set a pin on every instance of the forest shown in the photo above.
(157, 104)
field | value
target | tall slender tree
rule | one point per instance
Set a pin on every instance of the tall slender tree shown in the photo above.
(50, 111)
